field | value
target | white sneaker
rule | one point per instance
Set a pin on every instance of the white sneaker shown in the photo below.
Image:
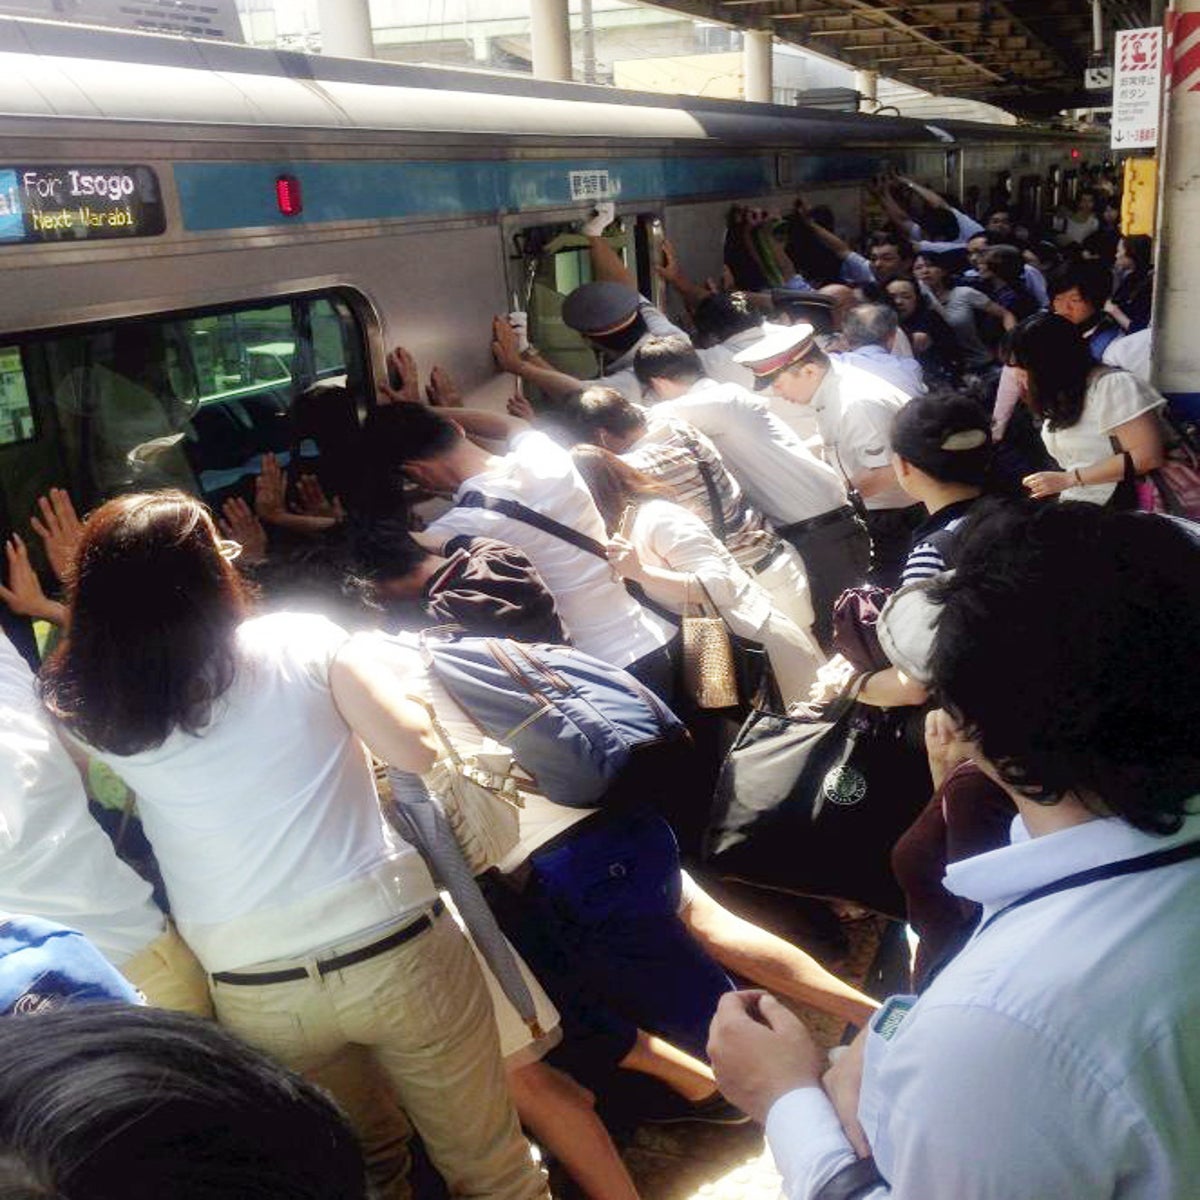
(603, 216)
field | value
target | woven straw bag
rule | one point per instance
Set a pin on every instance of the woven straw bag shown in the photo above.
(709, 670)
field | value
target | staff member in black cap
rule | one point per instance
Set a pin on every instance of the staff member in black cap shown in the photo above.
(854, 410)
(609, 313)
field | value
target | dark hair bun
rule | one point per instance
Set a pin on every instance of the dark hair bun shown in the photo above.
(946, 435)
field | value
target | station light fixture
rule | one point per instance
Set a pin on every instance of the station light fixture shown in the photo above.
(288, 195)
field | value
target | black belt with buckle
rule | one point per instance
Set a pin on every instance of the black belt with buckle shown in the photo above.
(845, 513)
(331, 965)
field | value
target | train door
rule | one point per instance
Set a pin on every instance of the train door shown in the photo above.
(1032, 198)
(188, 399)
(548, 261)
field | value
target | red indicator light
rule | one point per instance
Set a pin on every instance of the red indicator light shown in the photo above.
(288, 196)
(1074, 151)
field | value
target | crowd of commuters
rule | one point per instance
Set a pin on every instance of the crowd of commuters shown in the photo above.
(934, 419)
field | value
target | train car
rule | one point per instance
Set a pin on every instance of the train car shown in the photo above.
(192, 234)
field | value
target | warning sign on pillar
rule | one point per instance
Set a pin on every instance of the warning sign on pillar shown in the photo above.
(1137, 89)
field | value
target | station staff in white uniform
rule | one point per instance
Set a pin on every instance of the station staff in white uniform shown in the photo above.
(804, 498)
(854, 411)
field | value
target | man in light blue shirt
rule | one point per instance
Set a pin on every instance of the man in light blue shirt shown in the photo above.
(1055, 1057)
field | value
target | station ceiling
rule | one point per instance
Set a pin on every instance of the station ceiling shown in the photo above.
(1027, 56)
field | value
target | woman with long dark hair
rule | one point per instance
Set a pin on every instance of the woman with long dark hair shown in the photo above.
(318, 927)
(1099, 424)
(676, 558)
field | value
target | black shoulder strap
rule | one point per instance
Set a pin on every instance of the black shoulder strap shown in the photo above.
(944, 542)
(1127, 866)
(520, 512)
(710, 484)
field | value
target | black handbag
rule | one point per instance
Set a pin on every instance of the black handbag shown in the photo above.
(813, 806)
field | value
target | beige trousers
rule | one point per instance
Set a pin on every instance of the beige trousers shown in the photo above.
(169, 975)
(422, 1012)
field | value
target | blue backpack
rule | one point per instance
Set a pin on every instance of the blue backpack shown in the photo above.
(572, 722)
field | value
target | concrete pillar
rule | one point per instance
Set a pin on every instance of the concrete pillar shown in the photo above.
(1176, 348)
(346, 28)
(550, 39)
(866, 84)
(756, 66)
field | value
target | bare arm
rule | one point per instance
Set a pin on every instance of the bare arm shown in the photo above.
(1140, 438)
(492, 426)
(532, 367)
(367, 680)
(927, 194)
(607, 265)
(897, 213)
(1003, 315)
(892, 689)
(673, 274)
(770, 962)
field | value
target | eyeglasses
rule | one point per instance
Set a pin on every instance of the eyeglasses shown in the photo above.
(228, 549)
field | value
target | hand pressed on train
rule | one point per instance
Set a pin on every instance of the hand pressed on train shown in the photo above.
(314, 503)
(60, 530)
(270, 490)
(24, 594)
(241, 525)
(519, 406)
(1041, 485)
(506, 346)
(402, 367)
(442, 391)
(760, 1051)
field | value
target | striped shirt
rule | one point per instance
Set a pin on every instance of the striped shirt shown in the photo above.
(679, 455)
(927, 558)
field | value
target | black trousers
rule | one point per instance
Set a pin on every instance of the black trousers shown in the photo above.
(836, 550)
(891, 531)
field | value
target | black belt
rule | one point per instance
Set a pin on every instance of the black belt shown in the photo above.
(845, 513)
(331, 965)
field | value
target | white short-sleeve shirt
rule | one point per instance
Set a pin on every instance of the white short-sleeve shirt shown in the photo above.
(266, 824)
(1113, 397)
(855, 411)
(55, 861)
(601, 616)
(781, 476)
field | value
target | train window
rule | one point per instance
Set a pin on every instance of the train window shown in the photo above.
(16, 415)
(190, 400)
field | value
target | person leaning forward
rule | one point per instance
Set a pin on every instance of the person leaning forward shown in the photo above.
(854, 411)
(804, 498)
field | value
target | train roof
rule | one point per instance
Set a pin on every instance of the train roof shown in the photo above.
(54, 70)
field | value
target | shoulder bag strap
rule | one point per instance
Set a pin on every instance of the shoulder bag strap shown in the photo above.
(710, 485)
(517, 511)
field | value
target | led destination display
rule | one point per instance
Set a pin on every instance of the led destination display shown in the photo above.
(78, 203)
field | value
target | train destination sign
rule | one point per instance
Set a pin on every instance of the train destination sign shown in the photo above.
(78, 203)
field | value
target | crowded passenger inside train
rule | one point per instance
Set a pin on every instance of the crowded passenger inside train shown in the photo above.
(781, 710)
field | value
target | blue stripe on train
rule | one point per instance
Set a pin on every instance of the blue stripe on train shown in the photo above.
(240, 195)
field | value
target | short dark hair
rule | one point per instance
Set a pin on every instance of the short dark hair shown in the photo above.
(947, 435)
(870, 325)
(1006, 262)
(599, 407)
(1063, 647)
(104, 1101)
(1093, 279)
(888, 237)
(155, 609)
(723, 315)
(406, 432)
(671, 357)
